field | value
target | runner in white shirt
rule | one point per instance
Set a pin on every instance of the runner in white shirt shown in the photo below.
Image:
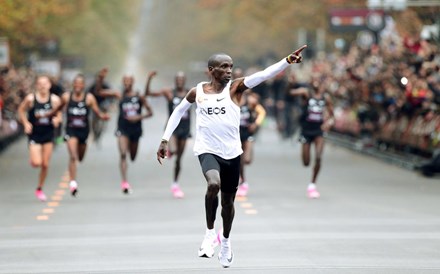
(217, 141)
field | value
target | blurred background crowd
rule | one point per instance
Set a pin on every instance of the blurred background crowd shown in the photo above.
(385, 96)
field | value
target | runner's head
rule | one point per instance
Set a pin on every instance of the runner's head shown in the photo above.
(79, 83)
(220, 67)
(43, 84)
(128, 81)
(180, 79)
(252, 100)
(237, 73)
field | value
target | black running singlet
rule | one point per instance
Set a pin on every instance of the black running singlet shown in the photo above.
(129, 106)
(247, 116)
(40, 126)
(183, 129)
(77, 114)
(313, 115)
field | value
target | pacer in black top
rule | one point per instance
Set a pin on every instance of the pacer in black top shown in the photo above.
(316, 118)
(130, 126)
(183, 131)
(39, 113)
(78, 104)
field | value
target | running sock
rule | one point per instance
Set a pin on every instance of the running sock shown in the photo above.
(73, 183)
(39, 188)
(311, 186)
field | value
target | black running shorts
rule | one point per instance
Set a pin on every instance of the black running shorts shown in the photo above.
(42, 137)
(229, 170)
(309, 138)
(132, 135)
(81, 134)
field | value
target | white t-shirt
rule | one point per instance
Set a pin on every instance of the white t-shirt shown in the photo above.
(217, 124)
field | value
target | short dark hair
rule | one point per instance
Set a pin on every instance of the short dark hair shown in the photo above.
(81, 76)
(213, 60)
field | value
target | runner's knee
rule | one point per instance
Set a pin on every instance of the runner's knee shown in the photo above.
(213, 187)
(73, 158)
(123, 156)
(318, 161)
(35, 163)
(306, 162)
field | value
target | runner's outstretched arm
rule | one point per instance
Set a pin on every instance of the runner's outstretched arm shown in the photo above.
(270, 72)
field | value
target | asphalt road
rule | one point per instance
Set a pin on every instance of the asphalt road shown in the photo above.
(372, 217)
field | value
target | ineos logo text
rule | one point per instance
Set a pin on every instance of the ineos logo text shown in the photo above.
(215, 110)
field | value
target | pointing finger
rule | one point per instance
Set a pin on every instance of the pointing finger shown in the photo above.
(298, 51)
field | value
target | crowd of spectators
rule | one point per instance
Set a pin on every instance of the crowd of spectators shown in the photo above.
(387, 95)
(15, 84)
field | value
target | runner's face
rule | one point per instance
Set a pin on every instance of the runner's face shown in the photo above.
(223, 71)
(238, 73)
(78, 85)
(127, 82)
(180, 81)
(43, 84)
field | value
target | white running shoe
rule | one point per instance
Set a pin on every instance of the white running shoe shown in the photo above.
(209, 243)
(73, 185)
(225, 256)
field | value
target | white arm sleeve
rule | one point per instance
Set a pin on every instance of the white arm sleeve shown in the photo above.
(261, 76)
(175, 117)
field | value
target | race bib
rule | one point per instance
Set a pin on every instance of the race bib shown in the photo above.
(314, 117)
(44, 121)
(78, 123)
(131, 113)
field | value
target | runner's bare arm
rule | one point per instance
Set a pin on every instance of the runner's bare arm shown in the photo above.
(163, 92)
(91, 102)
(58, 116)
(147, 108)
(100, 91)
(299, 92)
(330, 121)
(22, 109)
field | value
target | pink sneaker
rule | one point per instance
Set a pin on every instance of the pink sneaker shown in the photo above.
(177, 192)
(40, 195)
(313, 193)
(242, 189)
(126, 189)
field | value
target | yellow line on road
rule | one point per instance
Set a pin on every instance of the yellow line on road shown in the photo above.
(55, 199)
(42, 217)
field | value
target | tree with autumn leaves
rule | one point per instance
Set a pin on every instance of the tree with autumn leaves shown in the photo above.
(95, 29)
(179, 31)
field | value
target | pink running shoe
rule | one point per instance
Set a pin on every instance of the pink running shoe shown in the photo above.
(242, 189)
(40, 195)
(313, 193)
(177, 192)
(126, 189)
